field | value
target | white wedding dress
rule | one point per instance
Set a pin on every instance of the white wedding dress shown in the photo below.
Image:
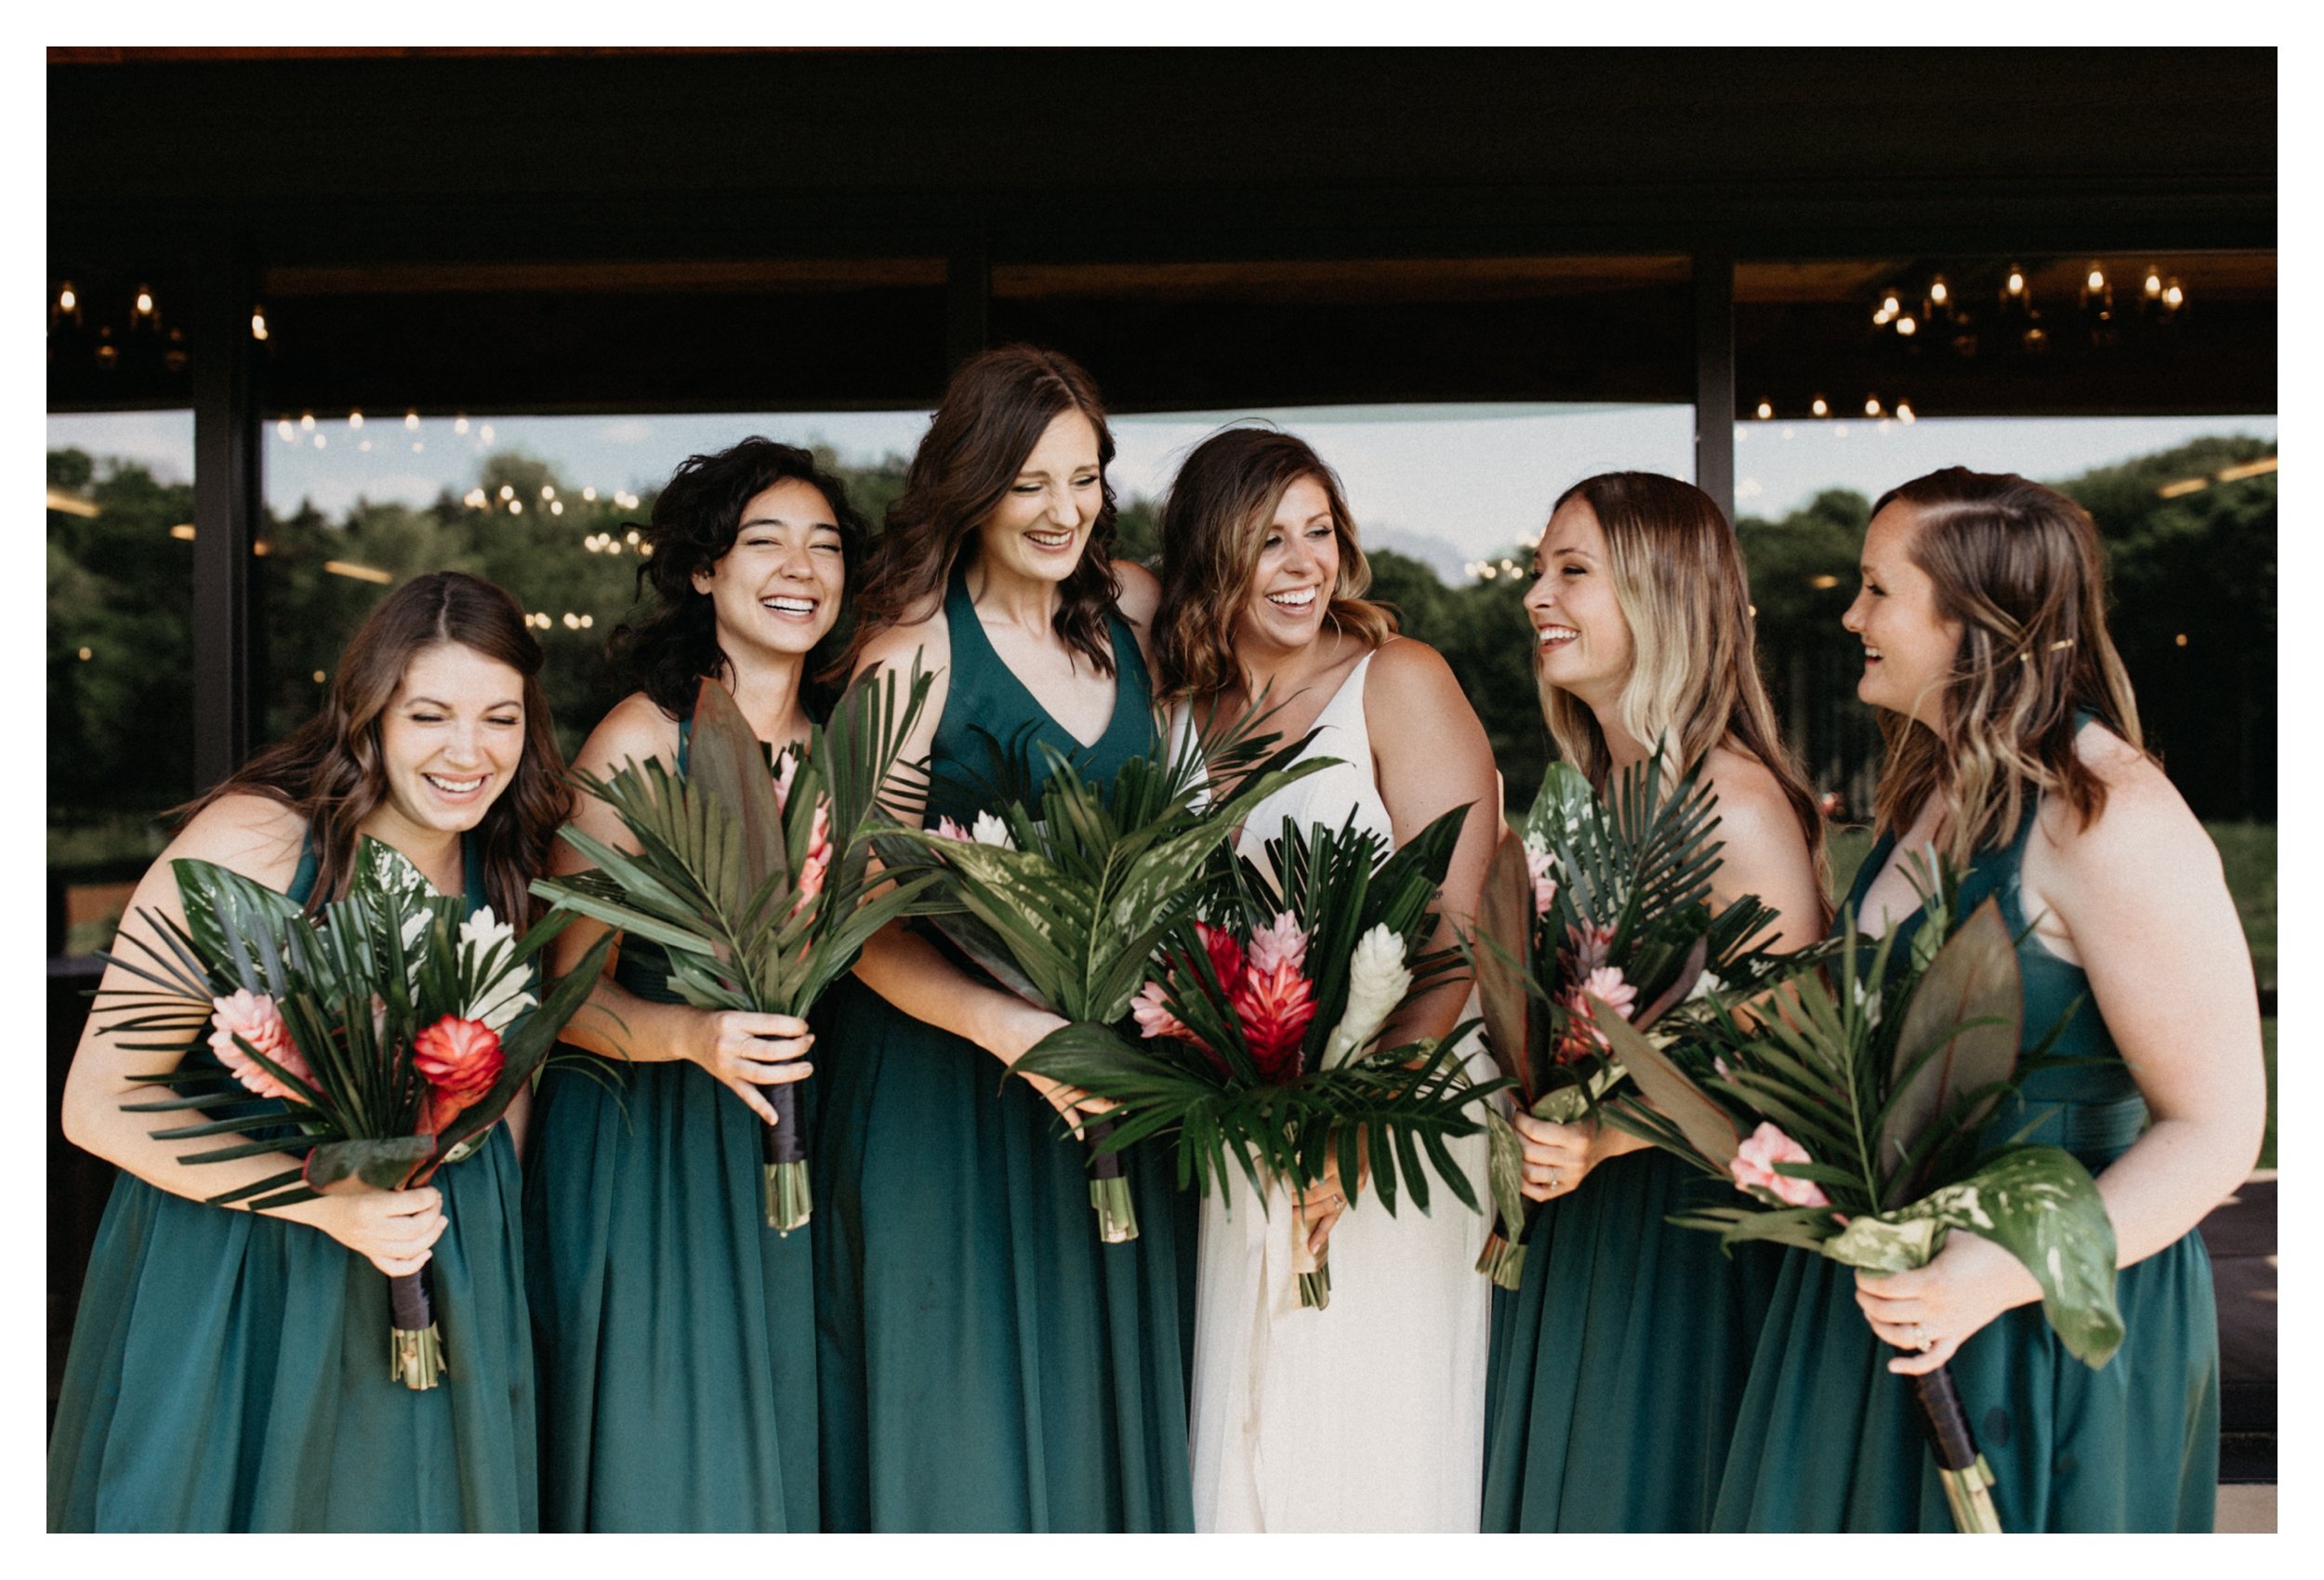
(1368, 1415)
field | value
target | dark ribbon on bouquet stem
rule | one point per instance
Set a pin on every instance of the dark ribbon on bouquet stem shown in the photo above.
(1109, 1190)
(415, 1346)
(790, 1203)
(1967, 1478)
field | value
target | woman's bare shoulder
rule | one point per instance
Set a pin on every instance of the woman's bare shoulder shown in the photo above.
(634, 730)
(255, 836)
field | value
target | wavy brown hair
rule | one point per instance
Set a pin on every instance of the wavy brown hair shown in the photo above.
(1213, 528)
(2021, 568)
(994, 411)
(1678, 580)
(332, 771)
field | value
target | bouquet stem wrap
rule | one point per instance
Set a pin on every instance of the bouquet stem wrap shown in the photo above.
(1109, 1190)
(1967, 1478)
(791, 1202)
(1503, 1260)
(414, 1346)
(1312, 1271)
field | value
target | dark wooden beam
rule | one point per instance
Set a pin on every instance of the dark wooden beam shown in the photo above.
(1714, 378)
(227, 492)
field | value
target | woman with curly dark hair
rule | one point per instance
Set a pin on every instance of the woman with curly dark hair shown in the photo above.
(226, 1371)
(679, 1394)
(988, 1363)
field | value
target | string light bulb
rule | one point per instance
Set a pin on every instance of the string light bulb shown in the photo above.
(1938, 291)
(66, 300)
(2154, 282)
(144, 305)
(1907, 326)
(1767, 409)
(1871, 405)
(411, 421)
(1820, 407)
(2172, 294)
(2097, 278)
(355, 420)
(258, 323)
(2016, 284)
(307, 422)
(1903, 411)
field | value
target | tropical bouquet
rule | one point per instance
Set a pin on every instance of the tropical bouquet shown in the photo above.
(382, 1038)
(1604, 900)
(1855, 1120)
(1260, 1039)
(756, 879)
(1065, 895)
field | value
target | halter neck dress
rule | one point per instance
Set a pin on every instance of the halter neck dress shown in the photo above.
(1829, 1440)
(987, 1364)
(1367, 1414)
(229, 1369)
(675, 1331)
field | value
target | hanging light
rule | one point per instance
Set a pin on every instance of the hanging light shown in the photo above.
(589, 495)
(258, 323)
(507, 493)
(460, 425)
(287, 433)
(305, 422)
(355, 420)
(143, 308)
(2154, 281)
(1766, 410)
(1889, 302)
(2016, 284)
(2096, 279)
(2172, 297)
(1940, 292)
(411, 421)
(548, 490)
(556, 507)
(1820, 407)
(1907, 326)
(1903, 411)
(1871, 405)
(69, 302)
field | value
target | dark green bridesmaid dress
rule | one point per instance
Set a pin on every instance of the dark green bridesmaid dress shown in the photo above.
(1830, 1440)
(675, 1331)
(987, 1364)
(229, 1370)
(1617, 1364)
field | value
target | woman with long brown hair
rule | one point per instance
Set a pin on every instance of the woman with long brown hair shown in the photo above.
(1298, 1423)
(225, 1370)
(676, 1330)
(2014, 754)
(986, 1363)
(1619, 1362)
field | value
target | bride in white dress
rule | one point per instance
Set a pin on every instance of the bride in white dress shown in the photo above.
(1370, 1415)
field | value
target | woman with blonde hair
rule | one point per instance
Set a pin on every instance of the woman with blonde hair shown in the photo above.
(1368, 1415)
(2013, 752)
(1619, 1362)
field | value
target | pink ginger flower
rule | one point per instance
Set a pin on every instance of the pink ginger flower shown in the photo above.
(1279, 944)
(817, 864)
(255, 1018)
(786, 770)
(1539, 867)
(1582, 1036)
(1275, 1009)
(1754, 1168)
(1152, 1012)
(947, 829)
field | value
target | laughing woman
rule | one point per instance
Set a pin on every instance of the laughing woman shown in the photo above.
(1619, 1362)
(988, 1363)
(2013, 752)
(226, 1369)
(676, 1330)
(1298, 1423)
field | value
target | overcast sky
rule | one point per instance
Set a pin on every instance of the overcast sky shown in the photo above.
(1448, 482)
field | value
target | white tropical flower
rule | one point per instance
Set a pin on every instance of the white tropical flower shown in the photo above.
(505, 996)
(990, 830)
(1377, 979)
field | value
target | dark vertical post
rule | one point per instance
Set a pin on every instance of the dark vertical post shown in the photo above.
(967, 298)
(226, 495)
(1714, 378)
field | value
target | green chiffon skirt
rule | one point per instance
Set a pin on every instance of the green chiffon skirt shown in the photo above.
(229, 1371)
(1619, 1366)
(987, 1364)
(1830, 1440)
(675, 1332)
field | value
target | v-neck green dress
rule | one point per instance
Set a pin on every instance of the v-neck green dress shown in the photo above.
(229, 1369)
(1828, 1438)
(675, 1331)
(987, 1364)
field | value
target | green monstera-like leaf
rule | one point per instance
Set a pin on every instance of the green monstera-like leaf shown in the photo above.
(2040, 1205)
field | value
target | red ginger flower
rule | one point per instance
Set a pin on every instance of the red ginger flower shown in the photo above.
(461, 1060)
(817, 864)
(1582, 1036)
(1274, 1007)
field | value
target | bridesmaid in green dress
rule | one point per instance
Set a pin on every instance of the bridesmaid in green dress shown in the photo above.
(675, 1332)
(229, 1368)
(986, 1363)
(1617, 1364)
(2014, 750)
